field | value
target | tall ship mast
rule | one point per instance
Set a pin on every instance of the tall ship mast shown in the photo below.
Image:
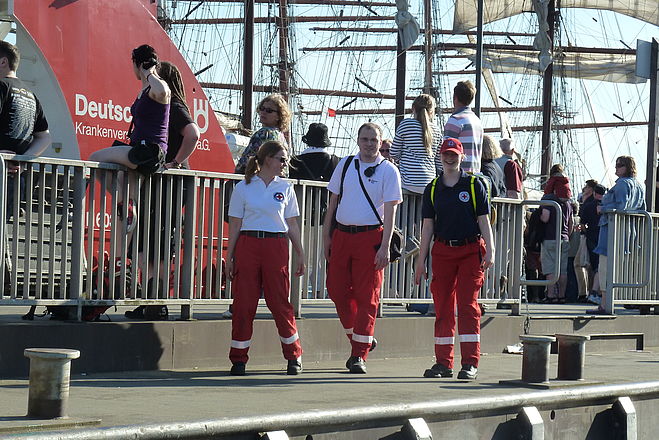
(339, 62)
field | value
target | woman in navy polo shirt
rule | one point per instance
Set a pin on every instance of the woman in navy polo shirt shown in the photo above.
(456, 214)
(262, 217)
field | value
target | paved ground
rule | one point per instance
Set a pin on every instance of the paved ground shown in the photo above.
(168, 396)
(203, 312)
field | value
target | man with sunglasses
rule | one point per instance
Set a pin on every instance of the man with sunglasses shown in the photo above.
(357, 249)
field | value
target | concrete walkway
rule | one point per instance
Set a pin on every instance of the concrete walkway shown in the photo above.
(170, 396)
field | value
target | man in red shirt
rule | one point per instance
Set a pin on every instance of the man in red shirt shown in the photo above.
(511, 169)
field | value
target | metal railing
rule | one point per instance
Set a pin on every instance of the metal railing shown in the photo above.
(356, 422)
(631, 276)
(68, 239)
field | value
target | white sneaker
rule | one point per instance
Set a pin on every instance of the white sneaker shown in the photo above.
(594, 299)
(227, 314)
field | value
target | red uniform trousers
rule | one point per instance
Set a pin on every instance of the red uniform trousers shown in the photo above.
(354, 285)
(261, 265)
(457, 275)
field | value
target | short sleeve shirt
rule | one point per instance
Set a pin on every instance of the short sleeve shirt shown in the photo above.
(179, 118)
(453, 208)
(382, 187)
(264, 208)
(21, 115)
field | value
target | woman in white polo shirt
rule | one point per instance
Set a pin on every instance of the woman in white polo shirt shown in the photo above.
(262, 217)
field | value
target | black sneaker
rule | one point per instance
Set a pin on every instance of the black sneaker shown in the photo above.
(468, 372)
(374, 344)
(438, 370)
(350, 361)
(294, 367)
(237, 369)
(358, 365)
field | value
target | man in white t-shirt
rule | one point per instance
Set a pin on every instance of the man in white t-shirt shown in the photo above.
(357, 250)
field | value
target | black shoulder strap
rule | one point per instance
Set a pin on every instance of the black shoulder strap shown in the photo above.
(343, 175)
(368, 198)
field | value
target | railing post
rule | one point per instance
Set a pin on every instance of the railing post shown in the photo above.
(77, 245)
(517, 263)
(612, 252)
(297, 283)
(189, 231)
(3, 221)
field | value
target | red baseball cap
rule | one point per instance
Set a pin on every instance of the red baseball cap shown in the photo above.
(451, 144)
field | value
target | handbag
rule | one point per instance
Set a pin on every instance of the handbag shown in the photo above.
(396, 244)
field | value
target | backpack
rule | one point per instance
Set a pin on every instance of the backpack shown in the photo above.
(472, 185)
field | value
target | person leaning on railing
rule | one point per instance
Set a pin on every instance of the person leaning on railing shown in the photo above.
(183, 134)
(262, 218)
(626, 195)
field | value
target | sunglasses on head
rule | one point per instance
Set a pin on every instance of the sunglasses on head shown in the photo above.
(267, 110)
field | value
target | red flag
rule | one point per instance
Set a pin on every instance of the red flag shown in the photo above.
(331, 112)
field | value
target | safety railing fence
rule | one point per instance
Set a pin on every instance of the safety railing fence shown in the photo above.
(83, 233)
(632, 259)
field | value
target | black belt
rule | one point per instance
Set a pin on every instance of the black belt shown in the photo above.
(461, 242)
(263, 234)
(356, 229)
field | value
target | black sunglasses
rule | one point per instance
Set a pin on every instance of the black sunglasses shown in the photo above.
(620, 165)
(267, 110)
(384, 150)
(281, 159)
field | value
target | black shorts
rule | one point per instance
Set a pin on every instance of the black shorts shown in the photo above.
(147, 156)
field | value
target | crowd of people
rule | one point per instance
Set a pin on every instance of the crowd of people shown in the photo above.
(457, 170)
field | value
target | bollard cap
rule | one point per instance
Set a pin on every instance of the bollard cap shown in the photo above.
(51, 353)
(537, 338)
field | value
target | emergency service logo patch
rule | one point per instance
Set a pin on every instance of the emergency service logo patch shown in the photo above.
(278, 196)
(464, 196)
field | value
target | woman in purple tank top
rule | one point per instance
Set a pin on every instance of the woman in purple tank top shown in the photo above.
(149, 126)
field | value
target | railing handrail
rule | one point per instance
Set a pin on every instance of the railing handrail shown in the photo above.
(557, 257)
(350, 419)
(647, 246)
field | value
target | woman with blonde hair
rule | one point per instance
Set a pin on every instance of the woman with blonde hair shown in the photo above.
(490, 169)
(415, 146)
(275, 117)
(262, 218)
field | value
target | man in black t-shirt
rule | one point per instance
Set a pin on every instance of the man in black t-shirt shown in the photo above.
(23, 126)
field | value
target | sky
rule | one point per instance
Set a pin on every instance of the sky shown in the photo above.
(589, 154)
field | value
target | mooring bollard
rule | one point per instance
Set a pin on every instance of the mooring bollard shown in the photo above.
(571, 356)
(535, 359)
(50, 372)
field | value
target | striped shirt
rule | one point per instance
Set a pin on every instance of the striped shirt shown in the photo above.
(417, 168)
(465, 126)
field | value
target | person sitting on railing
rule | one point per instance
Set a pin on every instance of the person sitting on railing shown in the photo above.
(456, 214)
(262, 218)
(182, 138)
(23, 125)
(149, 126)
(626, 195)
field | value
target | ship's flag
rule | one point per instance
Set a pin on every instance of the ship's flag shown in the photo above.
(331, 112)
